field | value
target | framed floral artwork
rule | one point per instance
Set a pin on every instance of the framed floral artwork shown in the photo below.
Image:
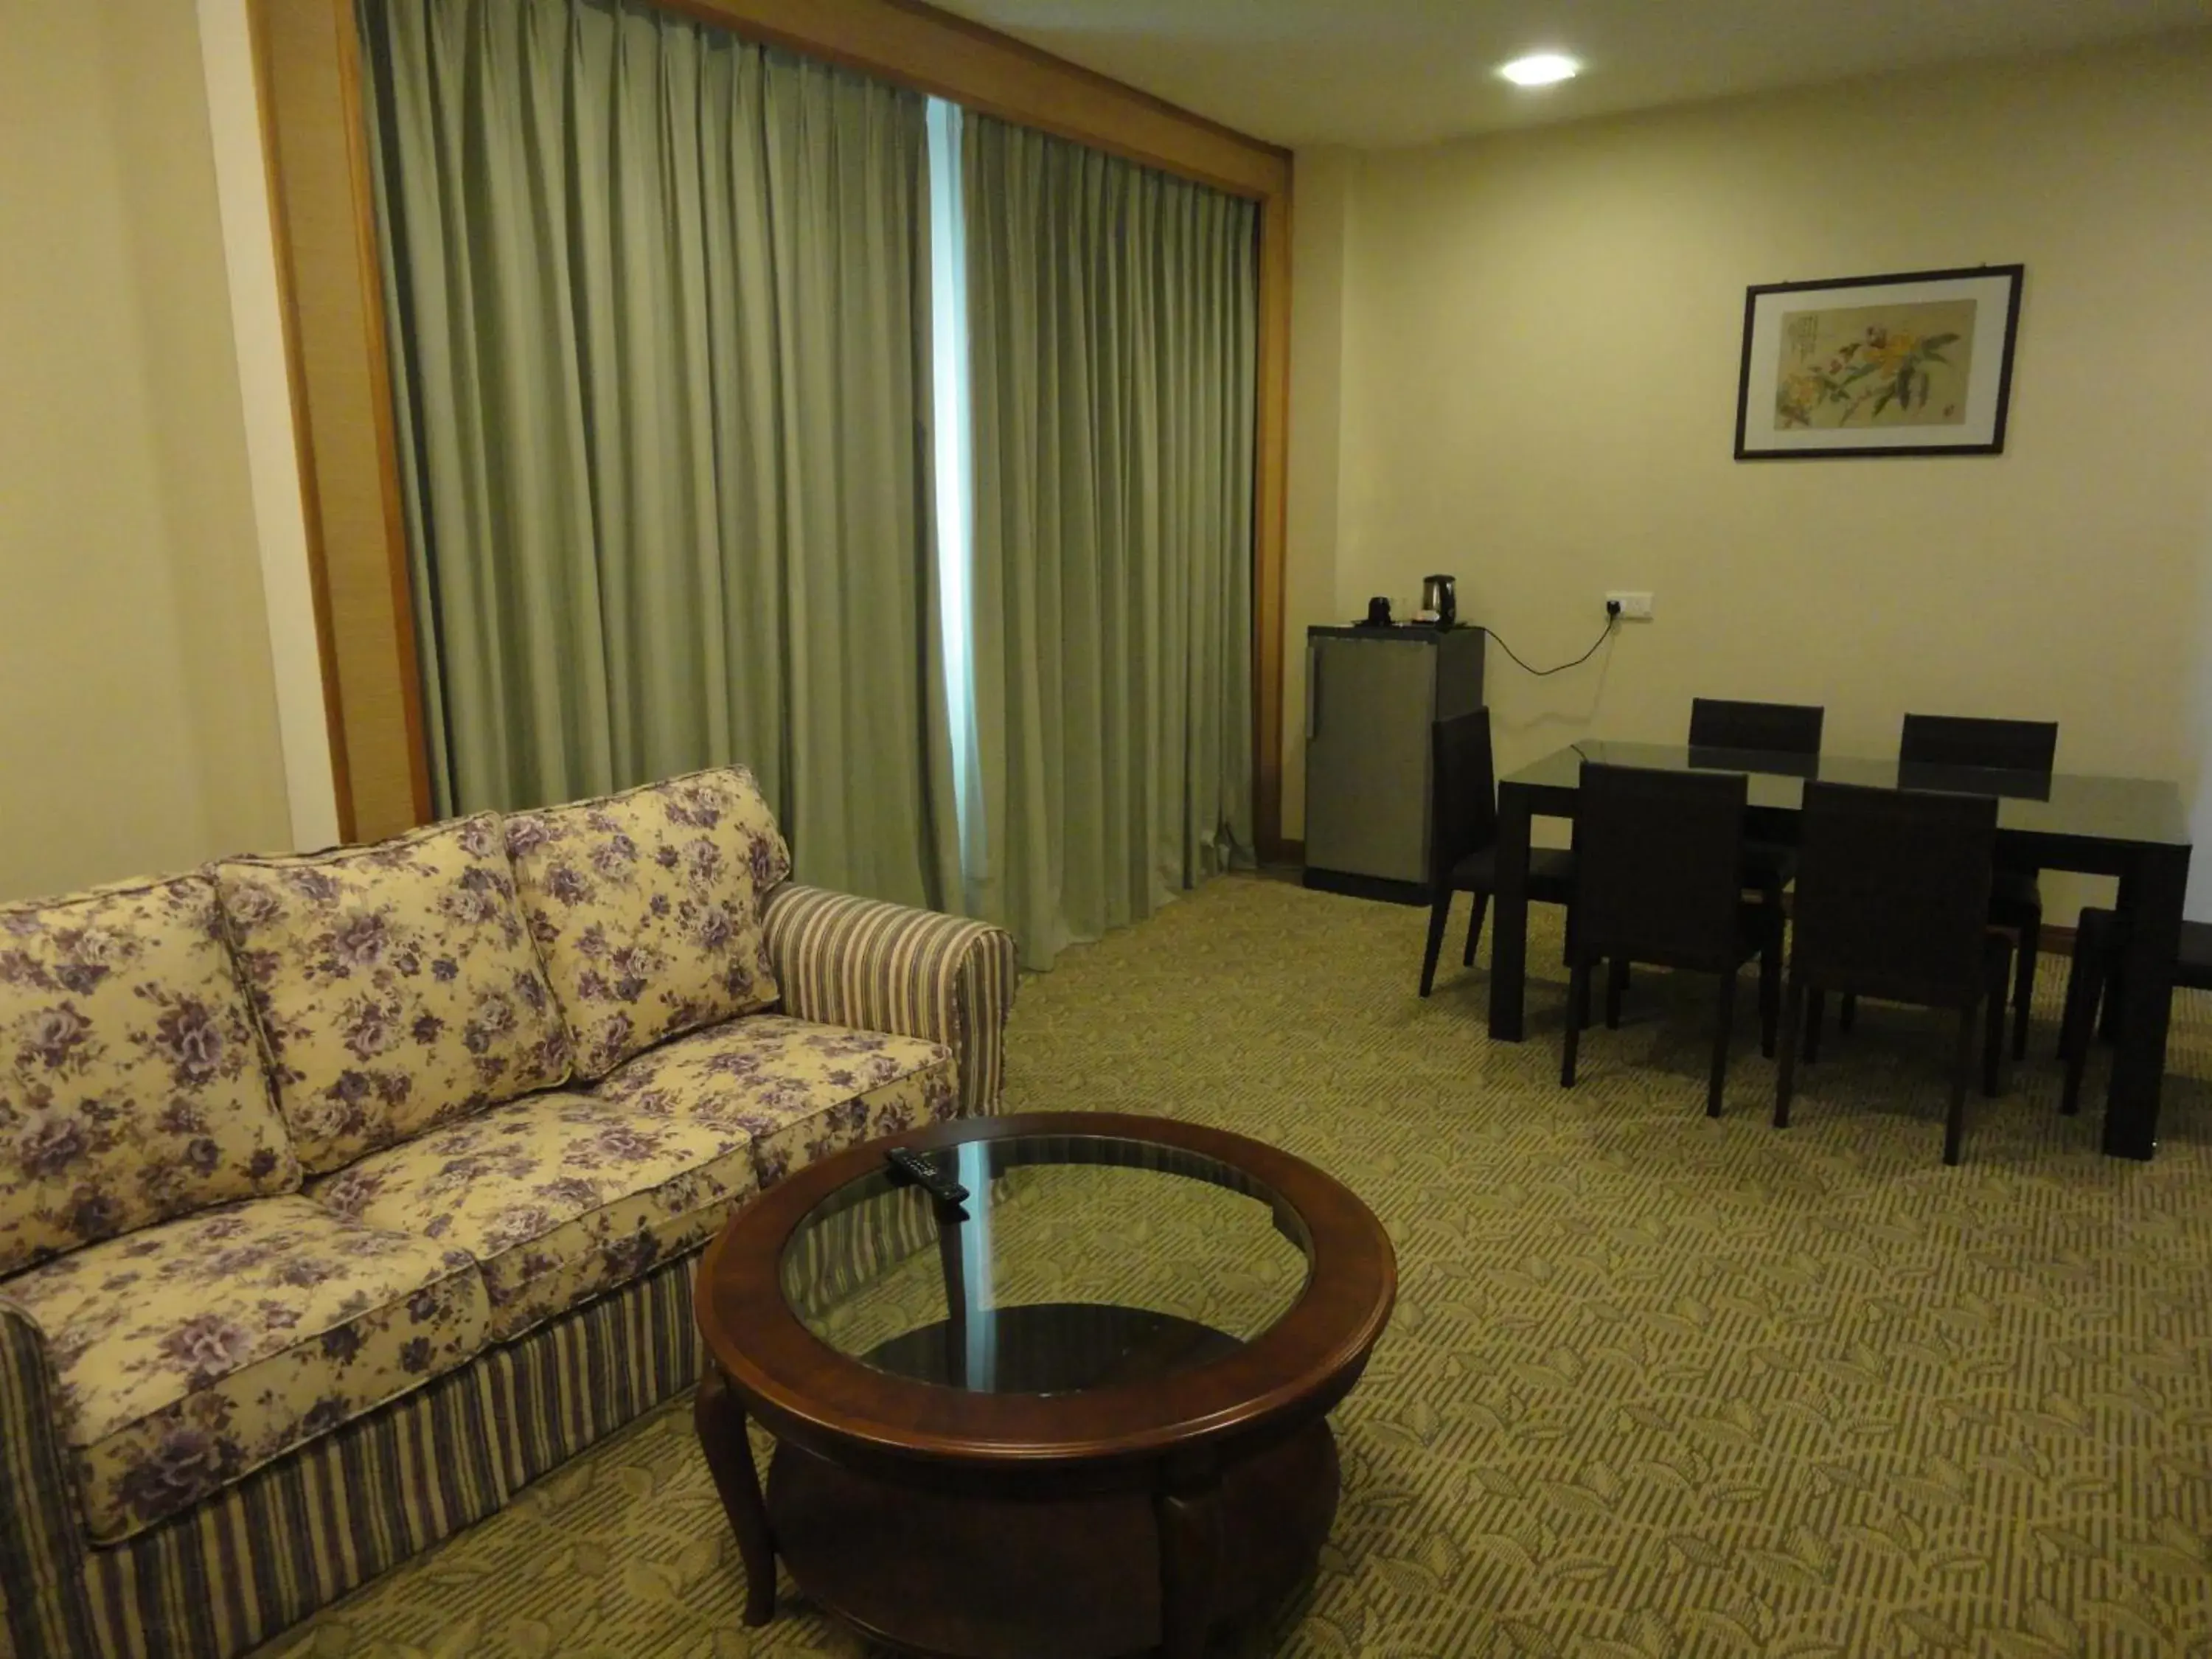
(1918, 363)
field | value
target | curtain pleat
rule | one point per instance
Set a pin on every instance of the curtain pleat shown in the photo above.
(1113, 317)
(660, 355)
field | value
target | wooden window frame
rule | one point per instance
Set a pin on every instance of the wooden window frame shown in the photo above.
(307, 63)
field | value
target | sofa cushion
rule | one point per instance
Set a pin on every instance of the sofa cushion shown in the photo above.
(133, 1088)
(800, 1090)
(397, 985)
(646, 907)
(557, 1197)
(193, 1352)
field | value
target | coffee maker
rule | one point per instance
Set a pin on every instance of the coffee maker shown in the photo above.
(1440, 599)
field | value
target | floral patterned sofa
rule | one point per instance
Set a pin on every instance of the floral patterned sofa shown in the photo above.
(343, 1194)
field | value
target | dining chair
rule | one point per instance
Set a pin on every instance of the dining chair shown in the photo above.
(2098, 938)
(1658, 856)
(1892, 901)
(1463, 836)
(2016, 899)
(1771, 728)
(1962, 740)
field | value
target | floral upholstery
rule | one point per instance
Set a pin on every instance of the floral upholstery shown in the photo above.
(132, 1085)
(193, 1352)
(396, 983)
(557, 1197)
(800, 1090)
(646, 907)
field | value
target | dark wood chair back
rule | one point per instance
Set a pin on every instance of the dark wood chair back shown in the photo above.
(1463, 792)
(1893, 896)
(1959, 740)
(1773, 728)
(1658, 856)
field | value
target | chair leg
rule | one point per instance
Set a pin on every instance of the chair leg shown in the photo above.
(1578, 1010)
(1993, 1027)
(1962, 1068)
(1815, 1007)
(2077, 1032)
(1723, 1028)
(1847, 1012)
(1616, 987)
(1786, 1074)
(2069, 1096)
(1770, 988)
(1439, 916)
(1474, 928)
(2023, 990)
(2071, 1010)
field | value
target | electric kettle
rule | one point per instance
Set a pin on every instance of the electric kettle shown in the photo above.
(1440, 599)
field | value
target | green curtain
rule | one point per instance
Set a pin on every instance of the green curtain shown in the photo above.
(661, 346)
(1113, 326)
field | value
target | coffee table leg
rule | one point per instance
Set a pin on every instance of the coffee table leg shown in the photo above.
(1189, 1511)
(720, 1421)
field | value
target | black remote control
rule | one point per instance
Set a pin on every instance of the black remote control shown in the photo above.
(905, 1161)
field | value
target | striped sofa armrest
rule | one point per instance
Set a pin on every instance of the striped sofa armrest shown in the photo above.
(879, 967)
(42, 1545)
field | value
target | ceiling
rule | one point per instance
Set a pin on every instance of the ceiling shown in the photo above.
(1378, 73)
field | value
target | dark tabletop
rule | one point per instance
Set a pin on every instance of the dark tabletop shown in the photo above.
(2141, 810)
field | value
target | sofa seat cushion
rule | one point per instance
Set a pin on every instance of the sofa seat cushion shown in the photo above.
(189, 1353)
(397, 984)
(557, 1197)
(800, 1090)
(647, 906)
(133, 1087)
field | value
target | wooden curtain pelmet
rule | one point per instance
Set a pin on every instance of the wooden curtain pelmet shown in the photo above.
(307, 59)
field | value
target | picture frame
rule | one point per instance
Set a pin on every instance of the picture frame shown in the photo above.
(1916, 362)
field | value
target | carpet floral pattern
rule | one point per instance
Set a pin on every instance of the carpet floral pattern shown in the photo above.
(1656, 1385)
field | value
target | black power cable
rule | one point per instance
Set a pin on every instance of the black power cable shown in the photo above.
(1539, 672)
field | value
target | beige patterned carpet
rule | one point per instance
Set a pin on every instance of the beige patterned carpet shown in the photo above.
(1657, 1386)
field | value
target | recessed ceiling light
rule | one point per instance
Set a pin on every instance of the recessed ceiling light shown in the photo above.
(1541, 69)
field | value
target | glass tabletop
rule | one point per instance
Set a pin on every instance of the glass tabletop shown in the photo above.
(1074, 1262)
(2136, 810)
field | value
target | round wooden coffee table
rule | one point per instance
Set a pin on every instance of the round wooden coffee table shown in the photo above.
(1080, 1412)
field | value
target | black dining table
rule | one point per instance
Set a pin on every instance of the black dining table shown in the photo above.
(2135, 829)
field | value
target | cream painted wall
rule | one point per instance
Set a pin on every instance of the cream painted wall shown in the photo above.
(1539, 362)
(137, 721)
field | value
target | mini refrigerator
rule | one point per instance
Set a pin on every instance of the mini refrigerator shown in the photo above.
(1372, 695)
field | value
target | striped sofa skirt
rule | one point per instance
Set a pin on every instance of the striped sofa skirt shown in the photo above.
(242, 1567)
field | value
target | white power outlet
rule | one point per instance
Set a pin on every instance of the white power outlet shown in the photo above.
(1634, 607)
